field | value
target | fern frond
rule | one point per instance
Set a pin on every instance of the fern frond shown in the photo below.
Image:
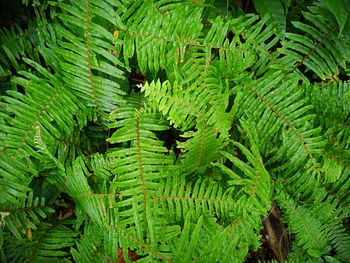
(339, 239)
(151, 40)
(227, 244)
(250, 182)
(25, 217)
(317, 45)
(227, 120)
(48, 243)
(341, 187)
(120, 225)
(186, 106)
(46, 100)
(75, 184)
(138, 168)
(308, 229)
(157, 35)
(171, 100)
(17, 42)
(322, 216)
(89, 66)
(200, 149)
(330, 211)
(331, 105)
(176, 198)
(259, 38)
(203, 240)
(90, 247)
(273, 101)
(16, 174)
(102, 166)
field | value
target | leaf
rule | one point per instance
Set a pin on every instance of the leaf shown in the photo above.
(286, 4)
(49, 244)
(275, 9)
(340, 11)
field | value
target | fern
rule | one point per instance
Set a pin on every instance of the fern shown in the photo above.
(169, 131)
(323, 49)
(47, 243)
(80, 62)
(17, 43)
(177, 198)
(23, 218)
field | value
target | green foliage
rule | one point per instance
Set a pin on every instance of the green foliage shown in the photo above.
(48, 242)
(276, 8)
(163, 131)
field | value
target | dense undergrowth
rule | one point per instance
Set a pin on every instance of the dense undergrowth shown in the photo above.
(175, 131)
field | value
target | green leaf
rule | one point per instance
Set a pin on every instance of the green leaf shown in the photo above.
(340, 11)
(286, 4)
(275, 9)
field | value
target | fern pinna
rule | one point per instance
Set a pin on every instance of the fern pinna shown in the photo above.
(176, 131)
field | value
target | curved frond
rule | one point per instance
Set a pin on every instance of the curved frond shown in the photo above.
(249, 181)
(23, 218)
(48, 243)
(274, 102)
(46, 103)
(90, 246)
(89, 69)
(200, 149)
(317, 45)
(331, 105)
(308, 230)
(186, 106)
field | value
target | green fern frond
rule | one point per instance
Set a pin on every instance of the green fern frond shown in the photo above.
(26, 216)
(39, 105)
(90, 247)
(228, 244)
(211, 120)
(88, 67)
(331, 105)
(274, 102)
(317, 45)
(138, 168)
(308, 230)
(339, 239)
(75, 184)
(200, 149)
(102, 166)
(250, 182)
(196, 241)
(341, 188)
(259, 38)
(17, 42)
(154, 34)
(186, 106)
(173, 101)
(330, 211)
(322, 215)
(48, 243)
(15, 178)
(176, 198)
